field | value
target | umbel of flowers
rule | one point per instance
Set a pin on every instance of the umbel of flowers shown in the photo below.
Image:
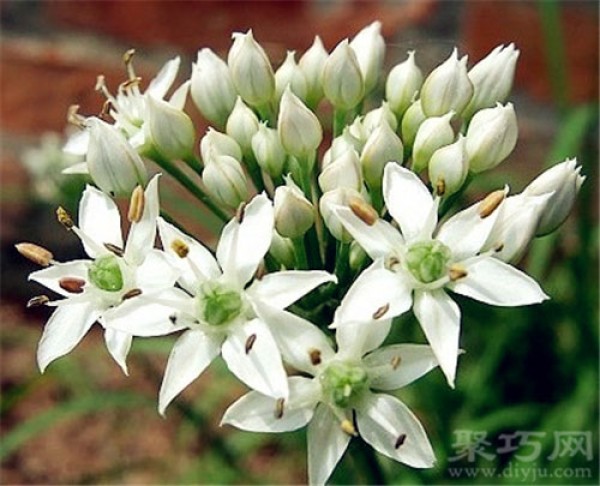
(340, 216)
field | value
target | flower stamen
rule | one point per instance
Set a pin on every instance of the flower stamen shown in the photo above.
(399, 441)
(71, 284)
(37, 301)
(250, 343)
(363, 211)
(491, 202)
(379, 313)
(35, 253)
(136, 205)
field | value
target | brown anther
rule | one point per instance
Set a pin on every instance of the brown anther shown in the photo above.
(128, 55)
(279, 404)
(173, 318)
(399, 441)
(363, 211)
(440, 187)
(395, 362)
(348, 428)
(136, 205)
(499, 247)
(490, 203)
(35, 253)
(240, 212)
(37, 301)
(105, 111)
(116, 250)
(250, 342)
(133, 81)
(72, 285)
(64, 217)
(74, 118)
(392, 262)
(180, 248)
(261, 271)
(130, 294)
(379, 313)
(456, 272)
(315, 356)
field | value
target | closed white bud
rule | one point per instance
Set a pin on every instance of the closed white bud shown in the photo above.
(343, 171)
(290, 73)
(357, 256)
(343, 83)
(411, 121)
(225, 180)
(242, 124)
(114, 165)
(357, 131)
(380, 115)
(403, 84)
(215, 143)
(447, 87)
(433, 134)
(448, 168)
(294, 214)
(329, 202)
(492, 78)
(282, 249)
(563, 181)
(268, 151)
(369, 47)
(251, 70)
(340, 145)
(491, 137)
(383, 146)
(299, 129)
(212, 88)
(312, 63)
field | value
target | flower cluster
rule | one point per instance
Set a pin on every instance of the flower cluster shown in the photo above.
(340, 236)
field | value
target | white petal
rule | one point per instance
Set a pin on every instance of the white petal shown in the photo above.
(243, 246)
(409, 202)
(178, 98)
(378, 240)
(260, 367)
(439, 317)
(495, 282)
(49, 277)
(143, 233)
(393, 367)
(79, 168)
(156, 273)
(282, 289)
(191, 354)
(63, 331)
(298, 339)
(159, 86)
(355, 339)
(118, 344)
(256, 412)
(99, 219)
(327, 443)
(382, 419)
(77, 143)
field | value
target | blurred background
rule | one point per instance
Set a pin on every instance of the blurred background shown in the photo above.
(529, 373)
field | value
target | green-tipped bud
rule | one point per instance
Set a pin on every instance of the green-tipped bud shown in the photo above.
(294, 214)
(411, 121)
(105, 273)
(312, 63)
(403, 85)
(268, 151)
(242, 125)
(212, 88)
(282, 249)
(344, 171)
(343, 83)
(448, 168)
(491, 137)
(383, 146)
(215, 143)
(376, 117)
(433, 134)
(327, 204)
(447, 88)
(225, 180)
(369, 47)
(251, 70)
(290, 73)
(299, 129)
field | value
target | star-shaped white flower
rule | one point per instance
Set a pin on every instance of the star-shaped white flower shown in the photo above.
(416, 265)
(338, 401)
(217, 307)
(115, 278)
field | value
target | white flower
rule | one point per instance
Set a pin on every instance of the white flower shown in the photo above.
(426, 261)
(217, 309)
(339, 389)
(116, 277)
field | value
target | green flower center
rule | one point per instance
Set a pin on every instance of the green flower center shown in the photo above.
(105, 273)
(218, 304)
(428, 260)
(342, 383)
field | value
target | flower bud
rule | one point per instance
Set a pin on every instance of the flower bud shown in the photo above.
(343, 83)
(299, 129)
(383, 146)
(447, 87)
(369, 47)
(327, 204)
(251, 70)
(290, 73)
(340, 145)
(225, 180)
(357, 257)
(268, 151)
(312, 63)
(492, 78)
(169, 129)
(563, 181)
(403, 84)
(491, 137)
(376, 117)
(294, 214)
(433, 133)
(212, 88)
(344, 171)
(215, 143)
(242, 124)
(115, 167)
(411, 121)
(282, 250)
(448, 168)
